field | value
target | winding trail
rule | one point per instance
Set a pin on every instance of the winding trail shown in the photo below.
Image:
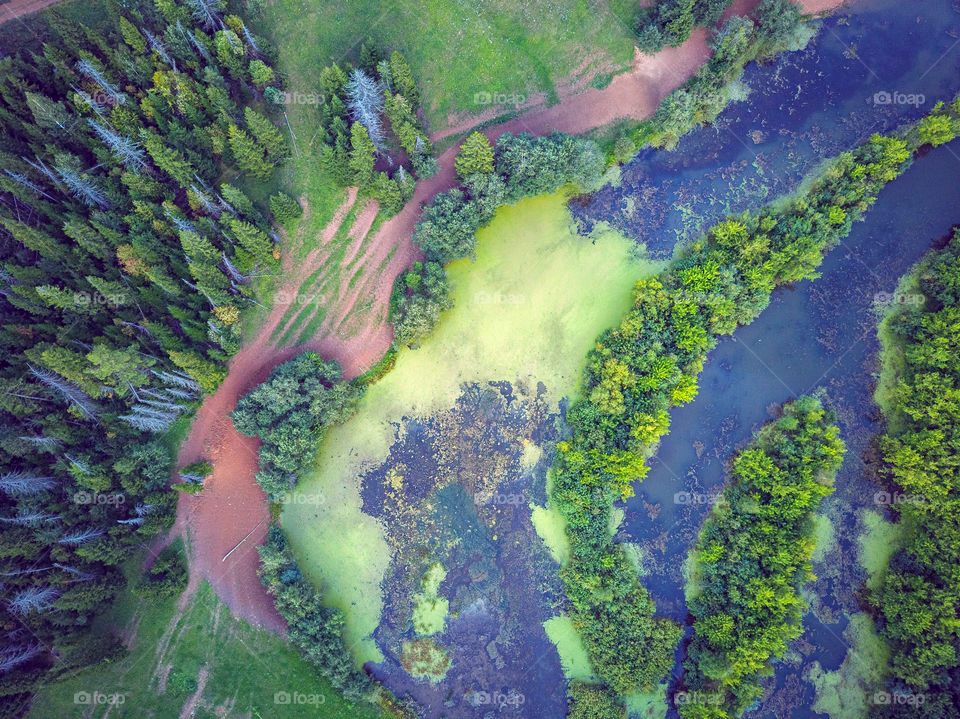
(355, 330)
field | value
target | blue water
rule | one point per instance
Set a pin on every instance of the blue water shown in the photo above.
(819, 334)
(816, 335)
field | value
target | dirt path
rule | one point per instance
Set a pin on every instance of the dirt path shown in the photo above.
(18, 8)
(355, 331)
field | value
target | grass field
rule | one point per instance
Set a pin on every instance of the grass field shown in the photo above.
(458, 50)
(249, 672)
(529, 309)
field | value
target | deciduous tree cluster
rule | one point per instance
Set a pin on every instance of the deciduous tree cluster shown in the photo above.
(918, 600)
(289, 412)
(753, 556)
(315, 629)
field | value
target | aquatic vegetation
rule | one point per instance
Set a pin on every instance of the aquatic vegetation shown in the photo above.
(425, 659)
(877, 544)
(847, 693)
(429, 610)
(573, 655)
(753, 556)
(519, 315)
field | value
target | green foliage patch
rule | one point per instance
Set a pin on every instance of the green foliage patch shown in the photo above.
(753, 556)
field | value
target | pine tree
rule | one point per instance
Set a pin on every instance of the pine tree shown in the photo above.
(208, 375)
(253, 240)
(369, 57)
(475, 155)
(207, 12)
(23, 483)
(90, 68)
(248, 154)
(403, 81)
(132, 36)
(267, 135)
(366, 104)
(361, 155)
(167, 158)
(123, 148)
(235, 198)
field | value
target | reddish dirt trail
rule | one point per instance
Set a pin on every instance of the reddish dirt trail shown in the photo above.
(355, 331)
(18, 8)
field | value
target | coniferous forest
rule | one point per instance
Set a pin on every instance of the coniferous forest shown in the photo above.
(129, 254)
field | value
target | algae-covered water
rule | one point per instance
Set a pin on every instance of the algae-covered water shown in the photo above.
(448, 452)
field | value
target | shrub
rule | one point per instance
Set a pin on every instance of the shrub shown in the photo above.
(419, 297)
(284, 208)
(592, 701)
(167, 577)
(290, 412)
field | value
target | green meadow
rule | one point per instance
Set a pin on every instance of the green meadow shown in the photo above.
(458, 50)
(249, 671)
(527, 309)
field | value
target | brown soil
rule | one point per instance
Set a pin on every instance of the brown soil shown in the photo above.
(356, 332)
(18, 8)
